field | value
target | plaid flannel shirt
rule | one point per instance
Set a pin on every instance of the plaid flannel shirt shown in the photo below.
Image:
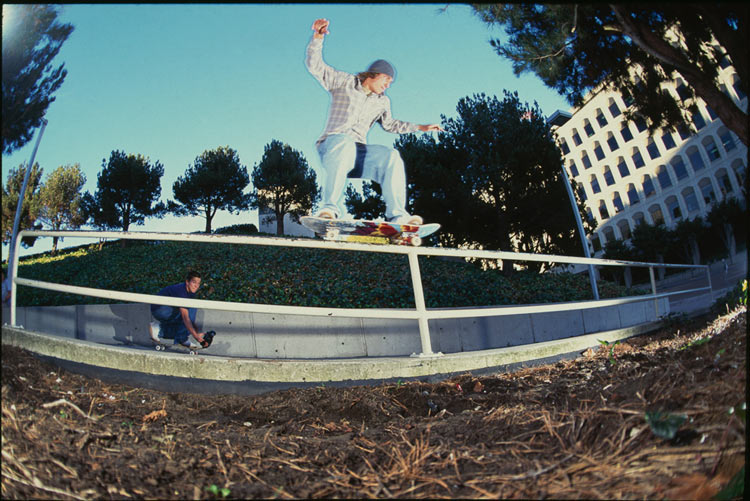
(352, 110)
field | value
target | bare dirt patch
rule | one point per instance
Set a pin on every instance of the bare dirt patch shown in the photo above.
(574, 429)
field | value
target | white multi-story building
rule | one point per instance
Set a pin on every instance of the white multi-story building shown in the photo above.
(628, 176)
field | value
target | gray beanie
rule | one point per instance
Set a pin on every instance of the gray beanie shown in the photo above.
(382, 66)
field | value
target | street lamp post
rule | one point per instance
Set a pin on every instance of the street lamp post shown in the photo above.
(587, 253)
(17, 220)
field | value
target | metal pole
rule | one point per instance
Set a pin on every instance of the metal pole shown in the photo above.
(579, 223)
(653, 289)
(416, 282)
(19, 206)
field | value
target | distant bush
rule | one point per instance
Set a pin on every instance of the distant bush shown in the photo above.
(237, 229)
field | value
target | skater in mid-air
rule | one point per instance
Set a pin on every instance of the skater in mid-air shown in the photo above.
(357, 102)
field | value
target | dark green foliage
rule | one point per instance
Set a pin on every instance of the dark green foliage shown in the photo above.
(293, 276)
(30, 207)
(215, 181)
(493, 179)
(283, 183)
(663, 424)
(128, 187)
(32, 37)
(237, 229)
(370, 205)
(574, 48)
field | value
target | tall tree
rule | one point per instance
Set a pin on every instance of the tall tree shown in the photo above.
(493, 180)
(574, 48)
(284, 183)
(688, 232)
(32, 37)
(30, 206)
(618, 250)
(723, 218)
(652, 243)
(128, 187)
(60, 200)
(215, 181)
(369, 205)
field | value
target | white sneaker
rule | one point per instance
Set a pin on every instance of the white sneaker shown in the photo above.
(154, 331)
(191, 345)
(407, 219)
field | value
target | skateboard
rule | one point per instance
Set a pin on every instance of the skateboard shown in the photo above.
(207, 340)
(376, 232)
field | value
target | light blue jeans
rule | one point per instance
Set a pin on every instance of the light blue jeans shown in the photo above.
(382, 164)
(171, 324)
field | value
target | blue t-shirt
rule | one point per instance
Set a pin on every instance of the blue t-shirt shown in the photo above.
(176, 290)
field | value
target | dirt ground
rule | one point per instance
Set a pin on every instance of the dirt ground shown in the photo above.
(574, 429)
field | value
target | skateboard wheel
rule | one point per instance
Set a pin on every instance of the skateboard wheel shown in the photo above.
(415, 241)
(193, 352)
(331, 234)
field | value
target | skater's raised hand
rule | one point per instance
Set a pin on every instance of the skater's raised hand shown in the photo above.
(320, 27)
(430, 128)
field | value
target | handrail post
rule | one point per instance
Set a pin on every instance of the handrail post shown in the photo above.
(710, 285)
(653, 290)
(14, 271)
(424, 328)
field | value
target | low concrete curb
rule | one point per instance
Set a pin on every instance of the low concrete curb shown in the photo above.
(256, 374)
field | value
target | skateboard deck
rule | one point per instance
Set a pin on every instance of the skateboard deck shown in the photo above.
(377, 232)
(164, 345)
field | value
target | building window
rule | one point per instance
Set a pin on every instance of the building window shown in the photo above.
(609, 234)
(679, 168)
(595, 185)
(617, 202)
(601, 120)
(623, 168)
(739, 171)
(573, 169)
(612, 142)
(698, 120)
(614, 110)
(632, 195)
(598, 151)
(711, 113)
(663, 176)
(725, 62)
(624, 229)
(696, 159)
(707, 189)
(673, 206)
(587, 128)
(564, 146)
(585, 160)
(648, 187)
(725, 185)
(711, 149)
(608, 177)
(576, 138)
(683, 92)
(625, 133)
(684, 131)
(668, 140)
(691, 202)
(638, 219)
(603, 210)
(726, 139)
(596, 244)
(637, 158)
(640, 124)
(653, 150)
(656, 215)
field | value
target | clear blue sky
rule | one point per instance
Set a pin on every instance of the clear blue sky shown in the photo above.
(171, 81)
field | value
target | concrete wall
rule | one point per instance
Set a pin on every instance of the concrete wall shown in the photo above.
(272, 336)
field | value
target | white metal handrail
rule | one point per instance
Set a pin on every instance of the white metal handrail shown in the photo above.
(420, 313)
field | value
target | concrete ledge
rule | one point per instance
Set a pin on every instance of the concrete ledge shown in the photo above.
(136, 359)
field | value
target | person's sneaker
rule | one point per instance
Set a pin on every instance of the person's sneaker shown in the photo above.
(191, 345)
(154, 331)
(326, 214)
(407, 219)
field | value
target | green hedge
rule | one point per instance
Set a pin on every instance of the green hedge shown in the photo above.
(294, 276)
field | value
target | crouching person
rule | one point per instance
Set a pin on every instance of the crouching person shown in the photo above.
(178, 323)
